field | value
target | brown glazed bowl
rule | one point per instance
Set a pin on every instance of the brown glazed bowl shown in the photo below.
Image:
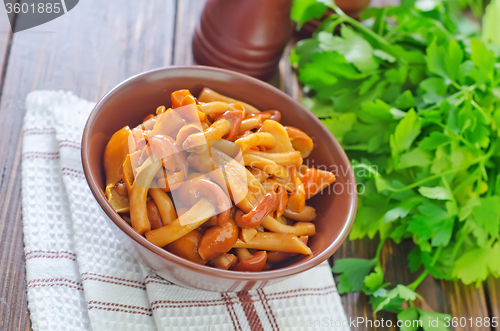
(132, 100)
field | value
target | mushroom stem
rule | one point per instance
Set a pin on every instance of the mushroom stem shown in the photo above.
(277, 242)
(138, 195)
(193, 218)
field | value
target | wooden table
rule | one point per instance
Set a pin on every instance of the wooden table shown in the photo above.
(91, 49)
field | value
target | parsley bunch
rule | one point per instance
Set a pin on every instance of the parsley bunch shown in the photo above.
(415, 102)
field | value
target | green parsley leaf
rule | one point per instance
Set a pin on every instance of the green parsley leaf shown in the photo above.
(340, 125)
(433, 321)
(406, 132)
(414, 158)
(353, 272)
(374, 281)
(438, 192)
(355, 49)
(304, 10)
(491, 23)
(409, 319)
(319, 108)
(434, 140)
(473, 266)
(444, 60)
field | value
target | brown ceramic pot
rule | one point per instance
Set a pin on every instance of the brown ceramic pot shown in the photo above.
(247, 36)
(132, 100)
(352, 7)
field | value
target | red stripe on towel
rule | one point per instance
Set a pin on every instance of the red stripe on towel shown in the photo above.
(253, 318)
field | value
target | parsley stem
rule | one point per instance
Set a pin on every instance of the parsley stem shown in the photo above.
(463, 234)
(467, 181)
(360, 147)
(458, 136)
(456, 85)
(413, 286)
(424, 274)
(382, 22)
(343, 17)
(379, 249)
(451, 97)
(436, 255)
(430, 178)
(481, 110)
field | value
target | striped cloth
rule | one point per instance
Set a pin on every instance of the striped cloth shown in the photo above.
(80, 277)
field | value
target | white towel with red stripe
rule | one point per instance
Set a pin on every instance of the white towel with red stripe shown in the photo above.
(80, 277)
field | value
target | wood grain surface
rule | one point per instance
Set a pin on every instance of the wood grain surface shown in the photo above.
(93, 48)
(88, 50)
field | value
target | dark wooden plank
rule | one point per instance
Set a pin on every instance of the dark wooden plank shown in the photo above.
(493, 298)
(5, 40)
(10, 266)
(88, 51)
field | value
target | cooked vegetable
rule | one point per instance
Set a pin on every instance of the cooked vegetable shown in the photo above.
(180, 179)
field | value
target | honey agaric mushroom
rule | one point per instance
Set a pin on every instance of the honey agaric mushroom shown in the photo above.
(255, 262)
(265, 164)
(198, 142)
(224, 261)
(297, 199)
(267, 204)
(256, 139)
(164, 205)
(119, 201)
(218, 240)
(276, 257)
(153, 215)
(114, 155)
(284, 159)
(315, 181)
(247, 234)
(250, 123)
(187, 247)
(307, 215)
(279, 133)
(197, 188)
(208, 95)
(175, 167)
(279, 242)
(215, 107)
(252, 196)
(138, 195)
(186, 131)
(300, 141)
(234, 117)
(201, 212)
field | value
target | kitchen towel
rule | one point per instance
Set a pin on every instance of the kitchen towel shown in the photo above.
(80, 277)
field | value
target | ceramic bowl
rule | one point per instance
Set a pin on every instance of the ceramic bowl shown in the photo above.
(129, 102)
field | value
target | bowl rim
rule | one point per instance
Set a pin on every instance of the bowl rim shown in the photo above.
(203, 269)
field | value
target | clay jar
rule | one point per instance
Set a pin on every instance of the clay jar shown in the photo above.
(247, 36)
(352, 7)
